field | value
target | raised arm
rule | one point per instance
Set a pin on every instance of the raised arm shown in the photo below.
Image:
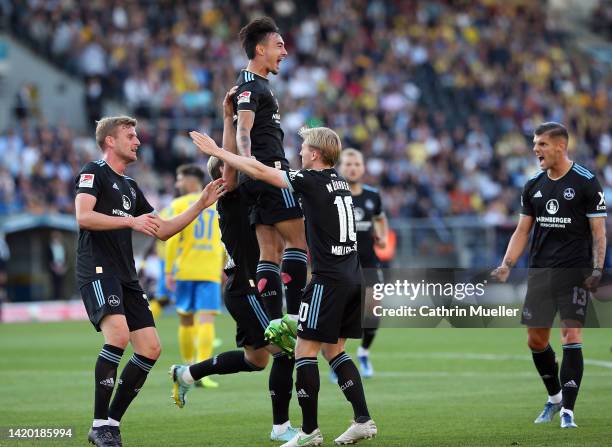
(210, 194)
(249, 166)
(229, 139)
(88, 219)
(243, 136)
(516, 247)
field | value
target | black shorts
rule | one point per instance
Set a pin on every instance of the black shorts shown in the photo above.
(250, 317)
(555, 289)
(268, 204)
(109, 296)
(329, 311)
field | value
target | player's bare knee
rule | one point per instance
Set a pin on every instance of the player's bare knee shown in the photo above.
(115, 331)
(571, 335)
(119, 339)
(537, 341)
(330, 351)
(257, 358)
(152, 350)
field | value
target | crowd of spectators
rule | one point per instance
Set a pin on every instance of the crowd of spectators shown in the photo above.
(601, 19)
(441, 96)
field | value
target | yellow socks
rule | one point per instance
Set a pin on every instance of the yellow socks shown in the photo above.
(186, 337)
(206, 337)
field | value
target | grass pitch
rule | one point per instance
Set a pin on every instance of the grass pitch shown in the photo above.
(433, 387)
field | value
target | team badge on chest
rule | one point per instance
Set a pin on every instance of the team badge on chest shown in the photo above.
(127, 204)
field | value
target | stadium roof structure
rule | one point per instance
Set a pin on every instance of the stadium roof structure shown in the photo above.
(23, 222)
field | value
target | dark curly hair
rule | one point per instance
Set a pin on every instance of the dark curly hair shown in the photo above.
(256, 32)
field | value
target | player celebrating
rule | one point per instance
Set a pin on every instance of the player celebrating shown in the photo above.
(565, 204)
(275, 212)
(108, 206)
(242, 301)
(330, 309)
(372, 227)
(194, 258)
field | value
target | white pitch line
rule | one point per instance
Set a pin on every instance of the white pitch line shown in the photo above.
(477, 356)
(438, 374)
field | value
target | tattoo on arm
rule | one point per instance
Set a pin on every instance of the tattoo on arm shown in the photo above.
(508, 263)
(244, 141)
(599, 252)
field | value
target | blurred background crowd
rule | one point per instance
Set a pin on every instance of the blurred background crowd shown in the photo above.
(441, 96)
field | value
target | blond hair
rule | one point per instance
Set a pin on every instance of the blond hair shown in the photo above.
(325, 140)
(214, 167)
(108, 125)
(351, 152)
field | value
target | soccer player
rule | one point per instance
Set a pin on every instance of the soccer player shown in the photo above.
(330, 309)
(194, 259)
(565, 206)
(109, 205)
(274, 211)
(372, 227)
(242, 301)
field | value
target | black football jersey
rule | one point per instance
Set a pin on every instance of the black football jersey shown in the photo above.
(561, 209)
(254, 94)
(109, 252)
(368, 205)
(240, 243)
(330, 223)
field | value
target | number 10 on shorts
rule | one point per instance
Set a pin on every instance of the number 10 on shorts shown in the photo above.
(303, 313)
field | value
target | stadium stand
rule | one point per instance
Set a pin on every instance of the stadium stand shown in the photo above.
(440, 96)
(601, 19)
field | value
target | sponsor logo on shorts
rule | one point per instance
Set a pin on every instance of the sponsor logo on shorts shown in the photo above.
(113, 300)
(527, 314)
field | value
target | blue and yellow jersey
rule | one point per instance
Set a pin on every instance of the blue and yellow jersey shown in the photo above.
(196, 253)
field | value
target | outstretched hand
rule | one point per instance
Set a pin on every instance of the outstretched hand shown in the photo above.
(146, 223)
(206, 144)
(212, 192)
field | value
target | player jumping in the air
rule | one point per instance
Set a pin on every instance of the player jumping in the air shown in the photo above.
(109, 205)
(243, 302)
(331, 306)
(565, 206)
(274, 211)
